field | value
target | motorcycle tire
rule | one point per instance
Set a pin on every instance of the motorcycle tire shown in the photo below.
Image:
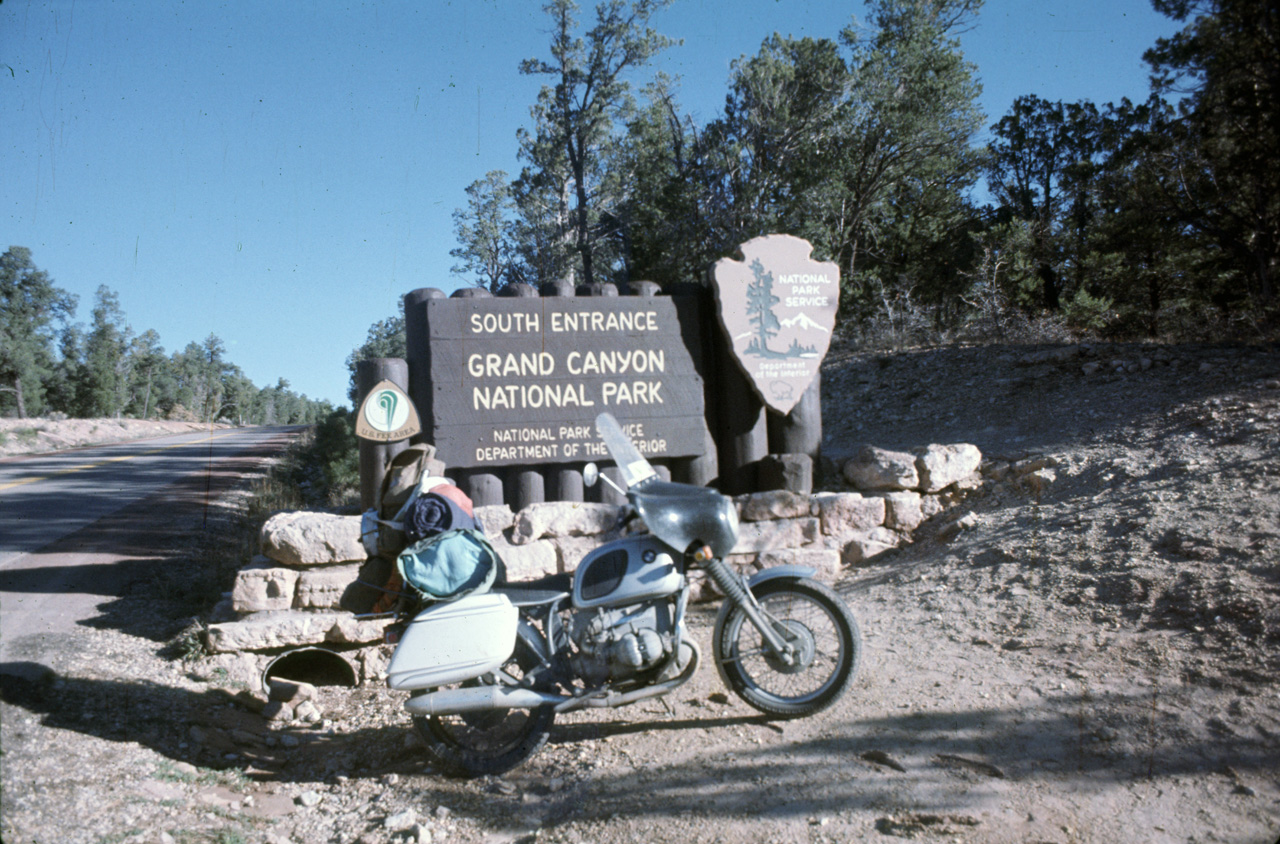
(822, 628)
(476, 744)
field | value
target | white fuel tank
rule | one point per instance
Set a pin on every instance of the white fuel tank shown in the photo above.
(455, 641)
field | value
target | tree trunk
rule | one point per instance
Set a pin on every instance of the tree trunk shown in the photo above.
(17, 389)
(584, 229)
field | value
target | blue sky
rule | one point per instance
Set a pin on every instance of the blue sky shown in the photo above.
(280, 174)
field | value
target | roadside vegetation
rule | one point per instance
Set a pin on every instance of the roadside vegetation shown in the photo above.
(53, 366)
(1157, 219)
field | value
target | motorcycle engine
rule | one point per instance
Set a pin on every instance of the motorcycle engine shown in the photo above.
(614, 644)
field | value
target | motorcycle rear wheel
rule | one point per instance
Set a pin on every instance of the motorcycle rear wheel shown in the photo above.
(824, 633)
(476, 744)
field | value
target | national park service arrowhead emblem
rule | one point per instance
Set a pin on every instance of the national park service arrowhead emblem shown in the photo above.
(778, 308)
(387, 415)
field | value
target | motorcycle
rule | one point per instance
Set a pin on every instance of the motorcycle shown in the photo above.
(488, 673)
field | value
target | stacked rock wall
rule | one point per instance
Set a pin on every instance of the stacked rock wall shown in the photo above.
(312, 585)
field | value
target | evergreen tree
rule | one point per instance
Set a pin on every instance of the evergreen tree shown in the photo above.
(30, 308)
(385, 339)
(1223, 140)
(565, 190)
(108, 364)
(149, 364)
(484, 231)
(760, 302)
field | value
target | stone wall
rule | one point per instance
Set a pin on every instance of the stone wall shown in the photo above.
(313, 586)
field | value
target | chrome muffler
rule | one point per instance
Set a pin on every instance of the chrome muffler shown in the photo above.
(478, 699)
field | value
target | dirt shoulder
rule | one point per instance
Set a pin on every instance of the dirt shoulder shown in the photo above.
(1094, 660)
(36, 436)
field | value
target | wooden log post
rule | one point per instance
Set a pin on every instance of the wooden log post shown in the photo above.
(418, 353)
(703, 334)
(375, 456)
(799, 434)
(603, 492)
(484, 486)
(563, 481)
(743, 438)
(523, 485)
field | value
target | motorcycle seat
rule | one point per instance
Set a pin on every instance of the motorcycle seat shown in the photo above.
(522, 597)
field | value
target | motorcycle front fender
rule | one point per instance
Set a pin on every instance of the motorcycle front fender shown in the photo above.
(777, 572)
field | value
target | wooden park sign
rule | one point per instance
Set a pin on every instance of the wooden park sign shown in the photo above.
(387, 415)
(778, 307)
(521, 380)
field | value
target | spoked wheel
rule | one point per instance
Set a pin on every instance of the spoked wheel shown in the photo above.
(821, 630)
(474, 744)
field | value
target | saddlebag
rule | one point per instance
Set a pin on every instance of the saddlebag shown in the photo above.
(456, 641)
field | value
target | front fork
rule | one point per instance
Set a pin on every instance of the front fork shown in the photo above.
(733, 585)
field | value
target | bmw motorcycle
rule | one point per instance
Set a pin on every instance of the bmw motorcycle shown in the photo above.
(488, 673)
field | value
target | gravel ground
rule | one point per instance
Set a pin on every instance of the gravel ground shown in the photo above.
(1094, 659)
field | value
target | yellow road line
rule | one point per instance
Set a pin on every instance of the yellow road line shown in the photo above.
(84, 466)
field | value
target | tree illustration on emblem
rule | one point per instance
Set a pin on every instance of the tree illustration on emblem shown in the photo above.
(760, 302)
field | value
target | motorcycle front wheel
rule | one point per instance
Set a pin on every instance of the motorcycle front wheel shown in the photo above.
(820, 628)
(475, 744)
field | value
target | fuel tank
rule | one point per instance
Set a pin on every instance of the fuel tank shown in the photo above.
(626, 571)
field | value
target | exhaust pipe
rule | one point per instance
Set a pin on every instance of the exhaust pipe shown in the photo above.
(478, 699)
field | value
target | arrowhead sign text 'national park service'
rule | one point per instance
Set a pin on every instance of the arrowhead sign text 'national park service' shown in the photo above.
(778, 307)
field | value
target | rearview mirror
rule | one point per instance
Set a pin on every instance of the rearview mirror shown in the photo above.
(590, 475)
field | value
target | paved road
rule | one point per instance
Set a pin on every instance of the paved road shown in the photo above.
(71, 522)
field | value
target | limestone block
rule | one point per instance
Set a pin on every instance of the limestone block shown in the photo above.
(265, 630)
(262, 585)
(996, 470)
(1033, 464)
(1038, 481)
(292, 628)
(373, 663)
(562, 518)
(494, 519)
(323, 588)
(774, 504)
(874, 468)
(825, 560)
(234, 667)
(348, 629)
(312, 539)
(940, 466)
(290, 691)
(864, 545)
(366, 589)
(846, 512)
(903, 511)
(792, 472)
(931, 505)
(527, 562)
(755, 537)
(747, 564)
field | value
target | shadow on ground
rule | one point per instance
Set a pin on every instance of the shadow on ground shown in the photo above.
(942, 758)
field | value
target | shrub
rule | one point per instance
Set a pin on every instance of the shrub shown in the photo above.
(1086, 312)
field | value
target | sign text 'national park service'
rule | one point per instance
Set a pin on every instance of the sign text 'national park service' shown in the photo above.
(778, 307)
